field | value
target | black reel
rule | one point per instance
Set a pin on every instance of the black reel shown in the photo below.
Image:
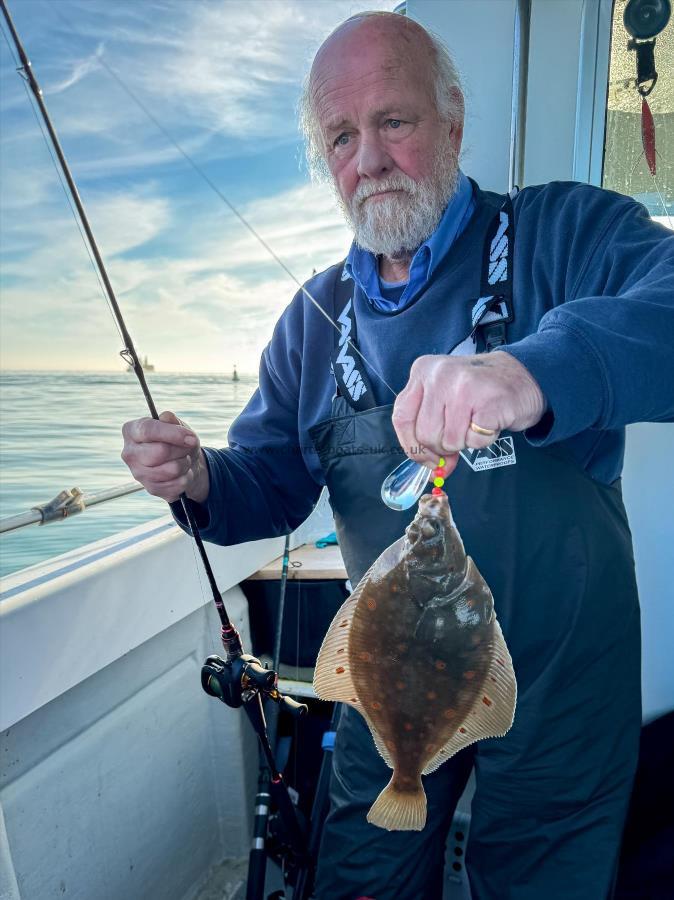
(228, 680)
(234, 681)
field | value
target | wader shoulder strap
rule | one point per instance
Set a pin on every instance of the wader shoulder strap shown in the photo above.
(353, 382)
(493, 310)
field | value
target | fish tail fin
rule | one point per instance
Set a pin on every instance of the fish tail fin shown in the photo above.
(399, 810)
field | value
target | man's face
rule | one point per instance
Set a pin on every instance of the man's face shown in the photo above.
(392, 159)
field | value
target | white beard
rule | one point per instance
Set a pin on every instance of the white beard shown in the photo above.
(397, 225)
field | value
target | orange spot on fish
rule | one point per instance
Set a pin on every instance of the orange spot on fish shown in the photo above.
(431, 695)
(371, 603)
(344, 623)
(354, 700)
(341, 650)
(365, 656)
(449, 713)
(339, 670)
(462, 730)
(486, 701)
(375, 704)
(469, 675)
(440, 665)
(408, 726)
(401, 685)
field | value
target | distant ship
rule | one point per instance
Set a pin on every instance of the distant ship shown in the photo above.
(147, 366)
(235, 377)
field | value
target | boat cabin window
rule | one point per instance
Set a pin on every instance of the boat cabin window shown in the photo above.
(639, 141)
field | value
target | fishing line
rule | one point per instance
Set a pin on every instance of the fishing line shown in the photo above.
(662, 201)
(197, 168)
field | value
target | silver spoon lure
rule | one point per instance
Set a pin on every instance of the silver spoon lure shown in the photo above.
(402, 488)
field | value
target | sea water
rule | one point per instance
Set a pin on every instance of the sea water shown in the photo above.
(63, 429)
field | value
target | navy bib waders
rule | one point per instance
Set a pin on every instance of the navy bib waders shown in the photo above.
(555, 548)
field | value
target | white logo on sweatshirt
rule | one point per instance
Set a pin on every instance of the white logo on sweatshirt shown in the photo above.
(352, 380)
(500, 453)
(498, 252)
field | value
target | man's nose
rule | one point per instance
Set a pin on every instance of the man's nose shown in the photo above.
(373, 158)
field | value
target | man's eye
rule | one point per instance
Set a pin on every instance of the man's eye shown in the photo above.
(342, 140)
(394, 123)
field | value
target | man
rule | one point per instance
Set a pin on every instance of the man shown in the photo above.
(579, 314)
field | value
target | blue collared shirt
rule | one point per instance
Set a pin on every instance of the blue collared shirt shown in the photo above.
(363, 268)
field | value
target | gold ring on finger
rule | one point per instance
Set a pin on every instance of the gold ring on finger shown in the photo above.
(478, 429)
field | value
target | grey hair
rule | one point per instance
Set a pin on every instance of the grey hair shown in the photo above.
(447, 82)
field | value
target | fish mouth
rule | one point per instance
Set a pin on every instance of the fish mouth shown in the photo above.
(434, 506)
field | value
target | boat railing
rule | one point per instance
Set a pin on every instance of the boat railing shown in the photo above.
(65, 504)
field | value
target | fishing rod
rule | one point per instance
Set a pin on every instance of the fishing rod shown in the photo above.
(239, 679)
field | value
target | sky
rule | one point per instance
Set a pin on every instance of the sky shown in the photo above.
(198, 293)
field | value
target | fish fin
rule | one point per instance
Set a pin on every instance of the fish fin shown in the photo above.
(485, 720)
(382, 749)
(332, 674)
(397, 810)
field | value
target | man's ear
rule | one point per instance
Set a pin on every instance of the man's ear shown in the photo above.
(458, 109)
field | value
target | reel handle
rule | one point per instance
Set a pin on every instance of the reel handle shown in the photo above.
(254, 671)
(292, 706)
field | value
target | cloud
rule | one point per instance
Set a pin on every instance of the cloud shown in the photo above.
(199, 291)
(79, 71)
(209, 304)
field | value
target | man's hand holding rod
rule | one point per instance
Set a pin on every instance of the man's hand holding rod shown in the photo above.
(165, 456)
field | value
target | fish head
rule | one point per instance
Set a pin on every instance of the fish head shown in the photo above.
(433, 549)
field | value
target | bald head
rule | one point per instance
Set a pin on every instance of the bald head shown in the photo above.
(388, 39)
(392, 43)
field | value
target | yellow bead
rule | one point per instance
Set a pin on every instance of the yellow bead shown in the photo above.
(442, 461)
(438, 482)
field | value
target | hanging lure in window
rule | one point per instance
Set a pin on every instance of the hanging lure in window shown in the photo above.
(644, 20)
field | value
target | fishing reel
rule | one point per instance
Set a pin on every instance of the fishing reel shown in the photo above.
(644, 20)
(236, 681)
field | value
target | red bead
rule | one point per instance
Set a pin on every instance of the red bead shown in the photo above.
(439, 472)
(437, 491)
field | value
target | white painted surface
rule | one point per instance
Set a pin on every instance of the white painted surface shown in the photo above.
(133, 783)
(81, 611)
(648, 488)
(554, 55)
(479, 33)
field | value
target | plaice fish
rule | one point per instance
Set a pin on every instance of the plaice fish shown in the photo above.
(418, 651)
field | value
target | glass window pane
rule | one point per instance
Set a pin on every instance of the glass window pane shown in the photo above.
(625, 165)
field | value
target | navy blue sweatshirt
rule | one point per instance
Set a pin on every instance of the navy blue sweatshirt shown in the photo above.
(594, 325)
